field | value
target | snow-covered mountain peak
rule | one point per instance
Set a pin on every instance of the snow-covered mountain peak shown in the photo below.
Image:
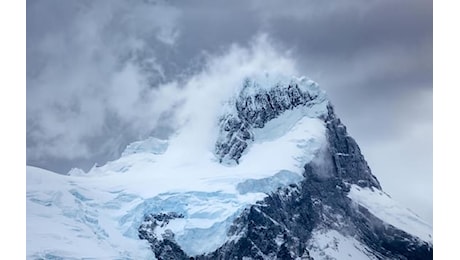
(262, 99)
(258, 83)
(298, 186)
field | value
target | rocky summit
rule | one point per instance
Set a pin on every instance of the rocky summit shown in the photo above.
(255, 106)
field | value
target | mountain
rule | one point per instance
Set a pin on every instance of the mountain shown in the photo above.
(273, 175)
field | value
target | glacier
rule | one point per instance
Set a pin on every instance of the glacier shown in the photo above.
(191, 191)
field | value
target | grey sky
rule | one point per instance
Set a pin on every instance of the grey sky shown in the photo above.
(374, 59)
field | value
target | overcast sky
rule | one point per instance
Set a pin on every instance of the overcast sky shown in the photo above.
(100, 74)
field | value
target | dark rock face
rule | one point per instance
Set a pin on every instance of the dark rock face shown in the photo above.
(276, 228)
(164, 247)
(254, 111)
(349, 163)
(282, 225)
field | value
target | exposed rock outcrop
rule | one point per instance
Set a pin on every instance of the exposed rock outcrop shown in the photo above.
(255, 106)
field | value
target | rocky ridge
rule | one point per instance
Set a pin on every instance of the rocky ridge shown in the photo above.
(255, 106)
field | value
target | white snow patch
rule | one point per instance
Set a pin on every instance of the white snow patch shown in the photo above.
(385, 208)
(149, 145)
(269, 184)
(280, 147)
(76, 171)
(331, 245)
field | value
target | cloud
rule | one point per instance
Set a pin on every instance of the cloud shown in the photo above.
(92, 73)
(397, 162)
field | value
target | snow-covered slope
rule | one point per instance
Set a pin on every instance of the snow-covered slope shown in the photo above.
(330, 244)
(384, 207)
(68, 218)
(188, 194)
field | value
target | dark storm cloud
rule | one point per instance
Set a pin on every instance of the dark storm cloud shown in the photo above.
(344, 32)
(374, 58)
